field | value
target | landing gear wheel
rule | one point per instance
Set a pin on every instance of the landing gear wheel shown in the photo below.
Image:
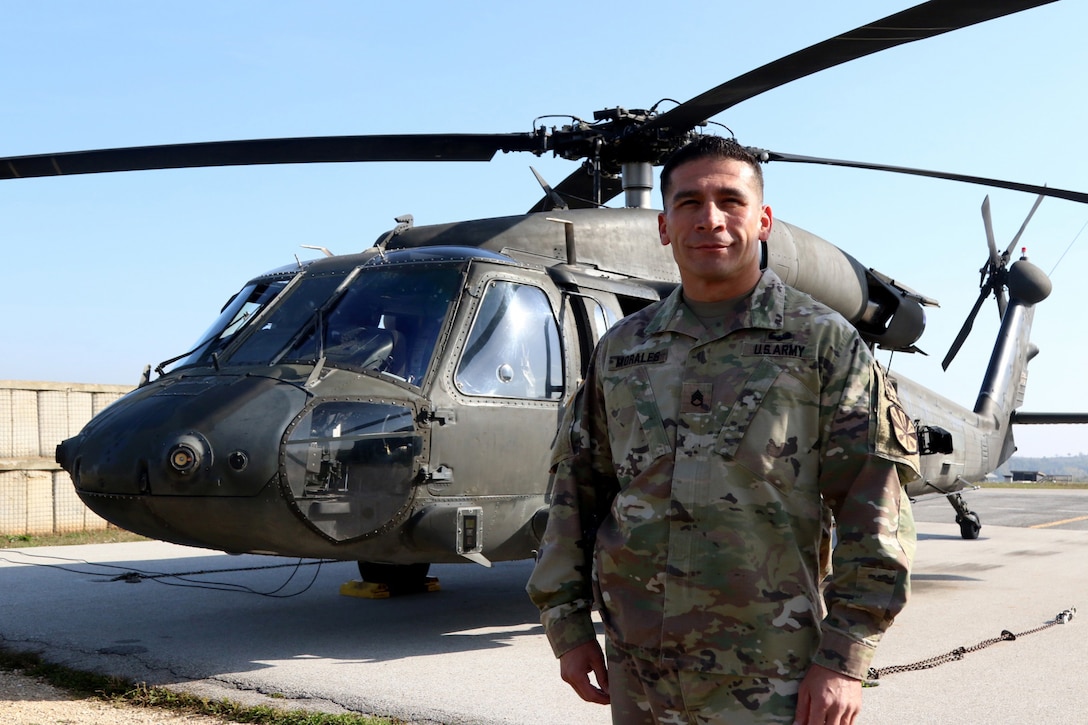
(969, 525)
(400, 578)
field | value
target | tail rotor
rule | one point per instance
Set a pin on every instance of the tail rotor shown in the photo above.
(994, 277)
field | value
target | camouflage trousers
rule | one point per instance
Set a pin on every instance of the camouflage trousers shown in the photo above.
(643, 693)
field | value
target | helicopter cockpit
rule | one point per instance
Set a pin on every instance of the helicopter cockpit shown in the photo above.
(379, 319)
(385, 316)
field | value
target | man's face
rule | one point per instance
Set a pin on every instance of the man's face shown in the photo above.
(714, 219)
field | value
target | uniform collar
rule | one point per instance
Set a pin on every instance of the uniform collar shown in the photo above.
(764, 309)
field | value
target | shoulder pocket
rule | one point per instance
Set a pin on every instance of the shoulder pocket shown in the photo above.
(896, 436)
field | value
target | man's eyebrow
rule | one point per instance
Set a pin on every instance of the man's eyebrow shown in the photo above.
(686, 193)
(725, 190)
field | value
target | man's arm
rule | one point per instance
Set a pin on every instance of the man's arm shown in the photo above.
(581, 488)
(871, 454)
(870, 580)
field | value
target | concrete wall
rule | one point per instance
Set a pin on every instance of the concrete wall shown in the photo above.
(36, 495)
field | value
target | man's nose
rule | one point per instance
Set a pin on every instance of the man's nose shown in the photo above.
(711, 217)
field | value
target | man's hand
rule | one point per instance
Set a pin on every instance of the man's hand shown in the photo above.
(828, 698)
(575, 666)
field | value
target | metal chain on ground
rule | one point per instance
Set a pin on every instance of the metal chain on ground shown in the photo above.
(960, 652)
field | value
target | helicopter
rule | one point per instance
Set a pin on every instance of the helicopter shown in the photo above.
(354, 407)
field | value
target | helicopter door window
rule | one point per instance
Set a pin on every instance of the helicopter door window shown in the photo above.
(513, 350)
(600, 317)
(592, 319)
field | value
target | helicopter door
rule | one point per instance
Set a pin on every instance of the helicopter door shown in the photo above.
(513, 349)
(505, 383)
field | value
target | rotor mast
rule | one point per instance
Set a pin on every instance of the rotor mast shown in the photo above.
(638, 184)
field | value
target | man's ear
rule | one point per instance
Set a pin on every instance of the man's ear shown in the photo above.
(662, 230)
(766, 221)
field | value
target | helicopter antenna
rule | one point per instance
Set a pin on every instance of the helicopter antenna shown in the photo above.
(568, 232)
(325, 251)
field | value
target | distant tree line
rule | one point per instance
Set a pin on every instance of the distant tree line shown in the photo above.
(1074, 467)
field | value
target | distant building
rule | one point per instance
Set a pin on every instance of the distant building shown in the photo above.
(1038, 476)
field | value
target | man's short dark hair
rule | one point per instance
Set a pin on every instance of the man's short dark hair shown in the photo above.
(708, 147)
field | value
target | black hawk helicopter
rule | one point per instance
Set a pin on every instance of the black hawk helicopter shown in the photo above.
(356, 407)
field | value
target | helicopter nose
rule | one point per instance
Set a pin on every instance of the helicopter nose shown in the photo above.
(63, 454)
(212, 437)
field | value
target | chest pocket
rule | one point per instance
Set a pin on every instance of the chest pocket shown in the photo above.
(772, 427)
(637, 430)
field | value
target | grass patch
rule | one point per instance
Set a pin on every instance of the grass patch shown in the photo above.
(112, 535)
(121, 692)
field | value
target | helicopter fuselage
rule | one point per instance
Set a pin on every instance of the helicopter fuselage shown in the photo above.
(398, 406)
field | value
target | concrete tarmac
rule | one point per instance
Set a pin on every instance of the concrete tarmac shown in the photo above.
(229, 626)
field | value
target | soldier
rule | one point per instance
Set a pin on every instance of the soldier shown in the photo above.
(695, 476)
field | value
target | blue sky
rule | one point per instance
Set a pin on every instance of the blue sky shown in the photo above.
(107, 273)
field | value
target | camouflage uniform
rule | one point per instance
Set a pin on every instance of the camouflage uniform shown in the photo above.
(693, 477)
(645, 693)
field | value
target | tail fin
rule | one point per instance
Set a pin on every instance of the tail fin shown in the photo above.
(1003, 386)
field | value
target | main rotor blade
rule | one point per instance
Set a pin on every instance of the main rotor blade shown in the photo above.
(922, 21)
(1078, 196)
(317, 149)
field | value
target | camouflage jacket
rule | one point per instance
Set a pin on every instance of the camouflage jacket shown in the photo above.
(692, 482)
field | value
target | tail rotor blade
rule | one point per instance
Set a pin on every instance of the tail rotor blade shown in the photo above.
(989, 224)
(965, 330)
(1012, 244)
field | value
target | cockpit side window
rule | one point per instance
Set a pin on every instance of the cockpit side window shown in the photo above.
(513, 350)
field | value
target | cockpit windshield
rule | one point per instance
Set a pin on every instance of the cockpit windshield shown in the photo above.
(235, 315)
(384, 318)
